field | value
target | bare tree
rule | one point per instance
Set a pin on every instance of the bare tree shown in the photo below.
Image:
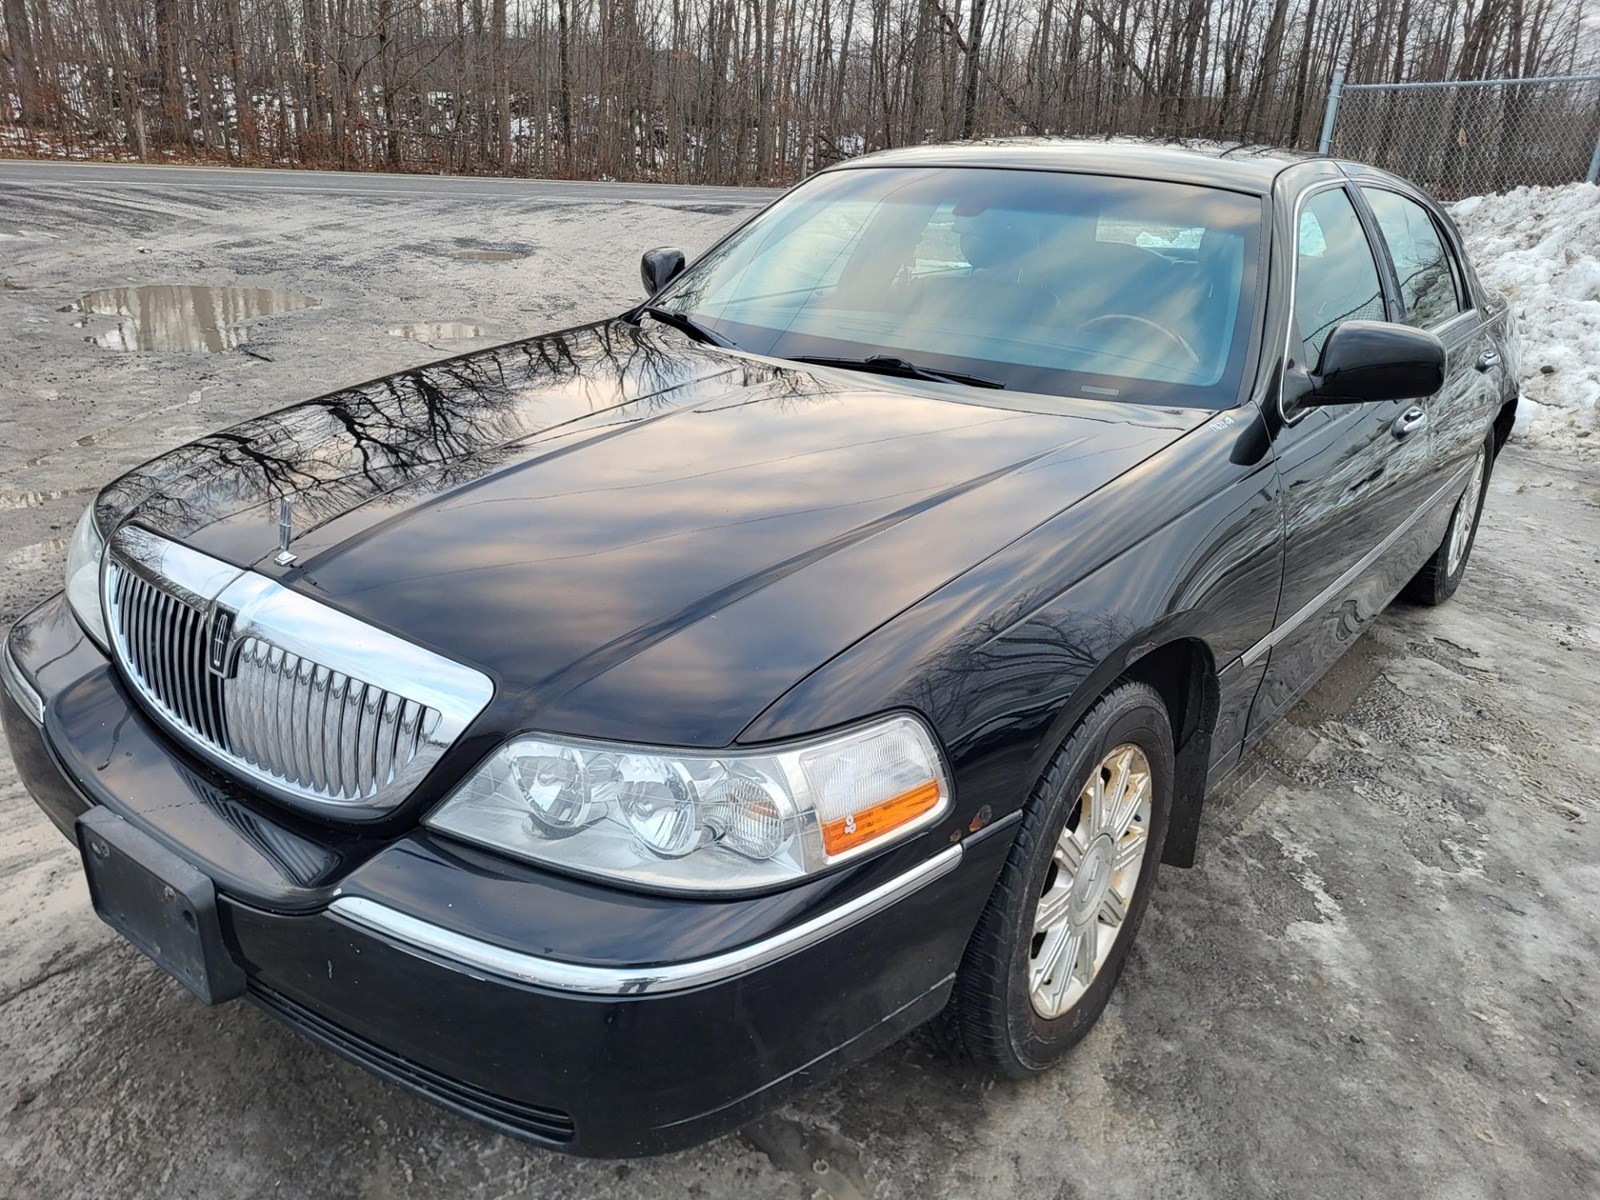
(733, 90)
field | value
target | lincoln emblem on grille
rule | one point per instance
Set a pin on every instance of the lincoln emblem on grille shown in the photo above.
(285, 531)
(220, 640)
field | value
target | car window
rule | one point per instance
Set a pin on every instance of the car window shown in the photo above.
(1336, 277)
(1421, 259)
(810, 256)
(1049, 282)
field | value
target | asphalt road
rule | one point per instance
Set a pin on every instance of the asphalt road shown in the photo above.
(35, 174)
(1381, 978)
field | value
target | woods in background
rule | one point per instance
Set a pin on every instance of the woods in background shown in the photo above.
(715, 91)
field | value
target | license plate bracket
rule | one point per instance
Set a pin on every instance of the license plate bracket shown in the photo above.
(162, 904)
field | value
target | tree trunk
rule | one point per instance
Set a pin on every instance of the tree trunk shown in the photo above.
(502, 85)
(969, 86)
(23, 64)
(386, 84)
(564, 55)
(1302, 77)
(244, 112)
(173, 116)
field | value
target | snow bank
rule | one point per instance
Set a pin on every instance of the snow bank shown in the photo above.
(1541, 247)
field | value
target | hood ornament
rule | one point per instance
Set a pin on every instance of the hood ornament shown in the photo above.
(285, 531)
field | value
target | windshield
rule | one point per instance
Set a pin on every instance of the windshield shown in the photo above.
(1073, 285)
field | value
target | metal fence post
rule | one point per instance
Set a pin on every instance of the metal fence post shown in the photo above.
(1332, 111)
(1594, 163)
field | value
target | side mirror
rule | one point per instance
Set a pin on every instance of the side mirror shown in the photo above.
(660, 267)
(1375, 360)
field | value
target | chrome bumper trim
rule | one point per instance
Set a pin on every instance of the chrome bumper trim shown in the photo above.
(412, 933)
(23, 692)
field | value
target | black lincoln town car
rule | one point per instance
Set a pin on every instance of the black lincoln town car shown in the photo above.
(608, 733)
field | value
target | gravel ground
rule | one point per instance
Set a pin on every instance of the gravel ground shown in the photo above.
(1380, 979)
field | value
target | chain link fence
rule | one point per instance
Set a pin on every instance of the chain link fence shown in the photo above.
(1470, 137)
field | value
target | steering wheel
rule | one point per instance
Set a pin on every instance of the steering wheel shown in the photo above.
(1175, 338)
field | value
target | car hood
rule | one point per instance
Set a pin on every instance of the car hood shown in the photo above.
(635, 535)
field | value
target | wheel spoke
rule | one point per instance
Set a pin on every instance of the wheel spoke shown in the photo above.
(1138, 788)
(1130, 849)
(1091, 808)
(1083, 958)
(1113, 908)
(1061, 981)
(1070, 847)
(1115, 793)
(1052, 971)
(1119, 768)
(1052, 910)
(1049, 957)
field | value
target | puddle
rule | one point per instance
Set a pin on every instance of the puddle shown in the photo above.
(489, 255)
(183, 317)
(436, 331)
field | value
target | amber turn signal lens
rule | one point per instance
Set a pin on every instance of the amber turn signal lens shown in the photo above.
(857, 829)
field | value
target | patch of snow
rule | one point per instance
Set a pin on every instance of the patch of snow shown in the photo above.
(1540, 248)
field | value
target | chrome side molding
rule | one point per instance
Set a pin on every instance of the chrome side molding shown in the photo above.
(472, 954)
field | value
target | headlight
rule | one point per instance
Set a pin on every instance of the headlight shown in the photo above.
(83, 577)
(703, 822)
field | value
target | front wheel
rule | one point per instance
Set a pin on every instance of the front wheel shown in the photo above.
(1049, 947)
(1441, 575)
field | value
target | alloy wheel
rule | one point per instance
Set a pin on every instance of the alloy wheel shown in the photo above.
(1093, 872)
(1466, 515)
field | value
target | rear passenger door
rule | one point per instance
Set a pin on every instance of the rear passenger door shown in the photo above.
(1351, 475)
(1434, 295)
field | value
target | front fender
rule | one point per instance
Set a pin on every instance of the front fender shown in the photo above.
(1005, 659)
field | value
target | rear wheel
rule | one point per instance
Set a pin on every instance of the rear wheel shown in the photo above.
(1443, 572)
(1053, 940)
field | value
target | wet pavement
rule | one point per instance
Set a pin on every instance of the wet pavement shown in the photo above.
(1380, 979)
(185, 318)
(436, 331)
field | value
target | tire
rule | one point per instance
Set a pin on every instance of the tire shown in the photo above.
(1445, 568)
(1006, 973)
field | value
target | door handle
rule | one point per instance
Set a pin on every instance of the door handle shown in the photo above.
(1489, 358)
(1408, 422)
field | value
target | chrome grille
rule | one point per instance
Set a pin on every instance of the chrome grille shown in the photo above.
(164, 639)
(316, 728)
(313, 706)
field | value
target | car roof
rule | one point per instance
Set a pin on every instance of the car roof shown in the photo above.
(1211, 164)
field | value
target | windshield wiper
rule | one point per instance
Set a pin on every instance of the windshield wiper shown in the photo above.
(689, 325)
(888, 364)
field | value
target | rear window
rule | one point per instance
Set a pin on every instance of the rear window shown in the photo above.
(1428, 281)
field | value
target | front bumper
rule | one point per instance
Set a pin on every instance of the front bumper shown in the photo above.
(588, 1020)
